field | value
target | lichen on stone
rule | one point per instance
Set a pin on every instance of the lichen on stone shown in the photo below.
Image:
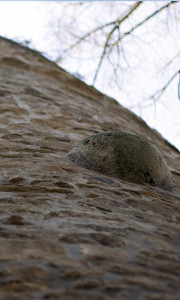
(123, 155)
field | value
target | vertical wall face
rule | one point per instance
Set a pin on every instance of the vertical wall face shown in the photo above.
(67, 232)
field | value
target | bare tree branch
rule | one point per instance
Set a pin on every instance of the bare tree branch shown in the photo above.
(158, 94)
(117, 24)
(172, 60)
(107, 45)
(144, 21)
(115, 40)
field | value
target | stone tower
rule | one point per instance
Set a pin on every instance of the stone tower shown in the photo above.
(67, 232)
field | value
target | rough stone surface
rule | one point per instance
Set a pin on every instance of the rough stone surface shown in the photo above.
(67, 232)
(123, 155)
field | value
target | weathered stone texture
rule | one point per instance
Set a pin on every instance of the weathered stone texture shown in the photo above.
(123, 155)
(67, 232)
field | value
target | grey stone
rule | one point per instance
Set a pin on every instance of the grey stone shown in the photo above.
(123, 155)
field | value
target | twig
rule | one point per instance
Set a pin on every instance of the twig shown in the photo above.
(161, 91)
(117, 24)
(144, 21)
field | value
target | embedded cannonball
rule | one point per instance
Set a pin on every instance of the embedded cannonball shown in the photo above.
(123, 155)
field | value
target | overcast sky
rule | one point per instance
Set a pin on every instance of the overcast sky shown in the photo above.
(28, 21)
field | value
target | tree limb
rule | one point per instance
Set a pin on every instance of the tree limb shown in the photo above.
(117, 24)
(144, 21)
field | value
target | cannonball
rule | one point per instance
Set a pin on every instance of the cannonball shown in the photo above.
(123, 155)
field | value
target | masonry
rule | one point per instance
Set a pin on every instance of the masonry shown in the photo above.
(67, 232)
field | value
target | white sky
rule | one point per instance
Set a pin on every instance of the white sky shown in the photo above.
(27, 21)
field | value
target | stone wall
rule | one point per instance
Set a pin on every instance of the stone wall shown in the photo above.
(67, 232)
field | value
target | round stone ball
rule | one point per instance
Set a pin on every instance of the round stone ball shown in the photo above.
(123, 155)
